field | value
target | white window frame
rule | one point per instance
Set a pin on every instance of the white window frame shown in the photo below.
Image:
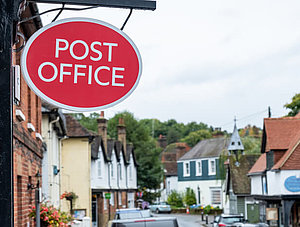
(120, 198)
(186, 171)
(211, 196)
(104, 203)
(112, 199)
(210, 170)
(198, 173)
(99, 168)
(112, 170)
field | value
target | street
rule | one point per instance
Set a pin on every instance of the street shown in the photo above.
(186, 220)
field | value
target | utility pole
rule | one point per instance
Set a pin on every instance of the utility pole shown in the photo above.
(9, 10)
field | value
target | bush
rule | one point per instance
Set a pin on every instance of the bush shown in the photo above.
(189, 197)
(175, 199)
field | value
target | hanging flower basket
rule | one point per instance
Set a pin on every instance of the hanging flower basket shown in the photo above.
(69, 196)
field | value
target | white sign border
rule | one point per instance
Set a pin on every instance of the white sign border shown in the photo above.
(73, 108)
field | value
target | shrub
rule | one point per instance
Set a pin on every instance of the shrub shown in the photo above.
(175, 199)
(189, 197)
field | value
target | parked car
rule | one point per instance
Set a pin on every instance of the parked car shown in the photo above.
(133, 213)
(160, 207)
(146, 222)
(234, 221)
(228, 220)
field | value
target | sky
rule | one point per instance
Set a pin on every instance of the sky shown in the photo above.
(209, 61)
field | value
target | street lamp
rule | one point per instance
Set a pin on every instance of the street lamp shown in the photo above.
(37, 197)
(199, 199)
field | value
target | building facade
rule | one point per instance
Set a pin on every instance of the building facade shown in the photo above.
(275, 176)
(199, 169)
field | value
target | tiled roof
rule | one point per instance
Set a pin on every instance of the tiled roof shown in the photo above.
(240, 181)
(260, 165)
(280, 132)
(98, 142)
(207, 148)
(75, 129)
(171, 168)
(290, 159)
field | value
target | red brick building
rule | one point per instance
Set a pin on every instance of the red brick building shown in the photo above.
(27, 140)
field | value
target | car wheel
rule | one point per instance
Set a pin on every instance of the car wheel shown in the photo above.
(157, 211)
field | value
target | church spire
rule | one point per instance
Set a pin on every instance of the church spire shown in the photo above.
(235, 144)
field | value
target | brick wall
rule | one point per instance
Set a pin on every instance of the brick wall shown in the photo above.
(27, 151)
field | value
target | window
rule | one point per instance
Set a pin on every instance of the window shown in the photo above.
(120, 171)
(112, 170)
(112, 199)
(212, 167)
(104, 204)
(130, 172)
(120, 198)
(215, 196)
(186, 169)
(199, 168)
(99, 167)
(232, 143)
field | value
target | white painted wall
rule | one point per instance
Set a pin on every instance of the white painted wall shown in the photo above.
(122, 173)
(114, 171)
(99, 179)
(171, 184)
(132, 174)
(256, 185)
(51, 182)
(205, 190)
(276, 181)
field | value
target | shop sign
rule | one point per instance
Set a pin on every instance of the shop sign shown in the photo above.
(107, 195)
(81, 64)
(292, 184)
(272, 214)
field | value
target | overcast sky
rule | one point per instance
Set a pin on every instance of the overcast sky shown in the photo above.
(208, 61)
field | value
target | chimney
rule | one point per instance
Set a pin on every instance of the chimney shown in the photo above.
(102, 128)
(162, 141)
(122, 132)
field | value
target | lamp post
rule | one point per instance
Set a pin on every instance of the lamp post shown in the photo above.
(199, 199)
(37, 197)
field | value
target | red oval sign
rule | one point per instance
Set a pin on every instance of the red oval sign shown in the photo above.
(81, 64)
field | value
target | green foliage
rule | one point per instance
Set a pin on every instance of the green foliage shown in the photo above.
(175, 199)
(294, 105)
(89, 122)
(189, 197)
(221, 173)
(150, 196)
(150, 171)
(194, 137)
(252, 145)
(207, 209)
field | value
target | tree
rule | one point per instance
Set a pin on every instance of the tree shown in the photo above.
(194, 137)
(175, 199)
(189, 197)
(89, 122)
(294, 106)
(150, 171)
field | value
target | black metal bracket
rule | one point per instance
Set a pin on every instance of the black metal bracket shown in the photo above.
(131, 4)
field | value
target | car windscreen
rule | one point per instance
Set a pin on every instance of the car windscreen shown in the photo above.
(129, 215)
(230, 220)
(163, 203)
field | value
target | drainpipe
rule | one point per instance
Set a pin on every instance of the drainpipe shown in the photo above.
(59, 162)
(50, 151)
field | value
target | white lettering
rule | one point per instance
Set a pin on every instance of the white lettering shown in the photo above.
(96, 75)
(76, 73)
(114, 76)
(96, 51)
(110, 45)
(54, 74)
(62, 73)
(72, 49)
(57, 48)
